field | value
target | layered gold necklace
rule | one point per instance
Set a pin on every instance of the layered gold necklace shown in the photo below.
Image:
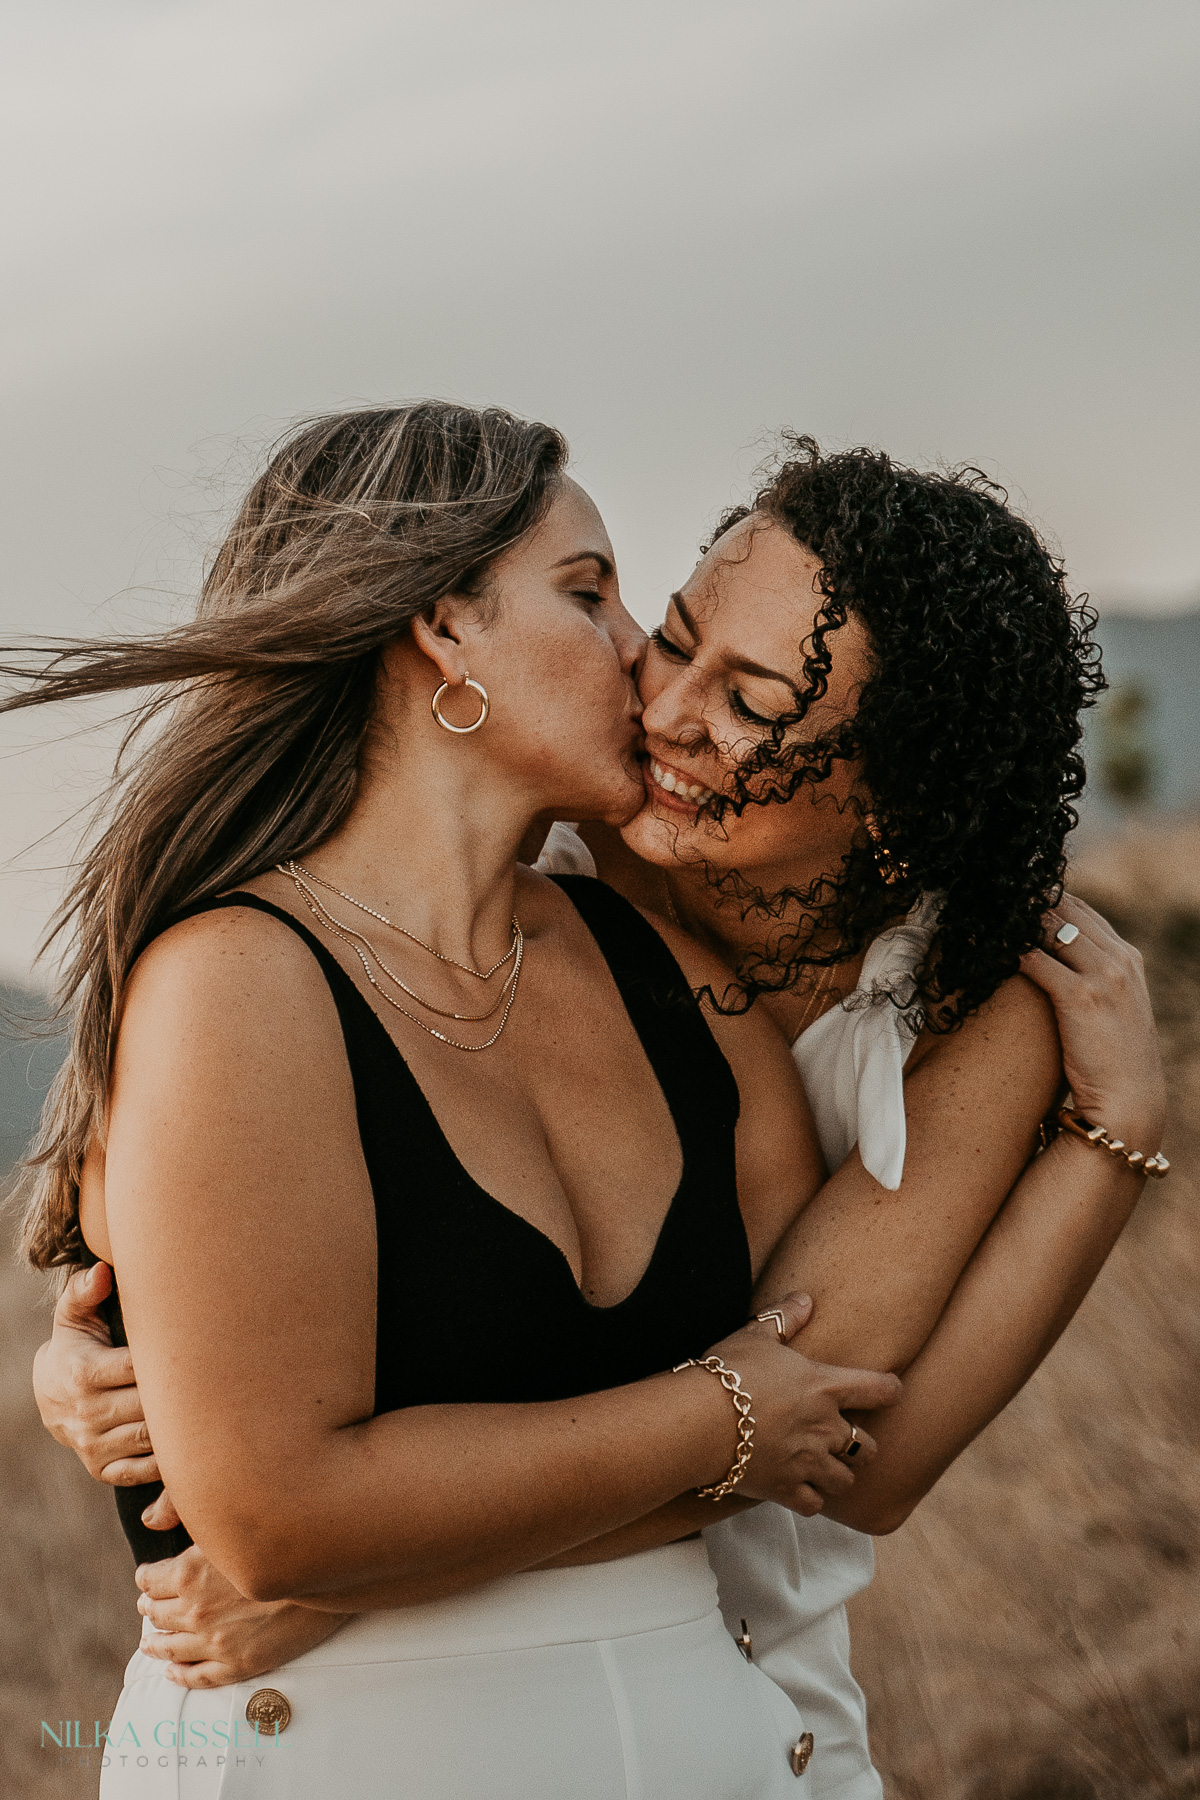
(368, 954)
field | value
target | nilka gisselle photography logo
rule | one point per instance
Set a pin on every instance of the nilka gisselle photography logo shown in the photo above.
(199, 1743)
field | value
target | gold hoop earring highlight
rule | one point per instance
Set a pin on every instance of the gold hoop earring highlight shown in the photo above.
(461, 730)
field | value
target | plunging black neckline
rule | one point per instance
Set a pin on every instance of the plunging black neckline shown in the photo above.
(475, 1303)
(421, 1099)
(492, 1200)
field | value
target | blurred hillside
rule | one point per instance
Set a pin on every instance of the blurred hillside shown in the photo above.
(1034, 1631)
(1143, 740)
(67, 1620)
(27, 1064)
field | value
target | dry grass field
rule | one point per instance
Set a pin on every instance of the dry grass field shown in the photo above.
(67, 1620)
(1034, 1633)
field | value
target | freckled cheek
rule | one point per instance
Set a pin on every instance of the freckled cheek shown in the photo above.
(599, 684)
(574, 703)
(803, 824)
(752, 837)
(552, 669)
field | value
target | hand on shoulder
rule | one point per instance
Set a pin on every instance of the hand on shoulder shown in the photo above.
(1096, 983)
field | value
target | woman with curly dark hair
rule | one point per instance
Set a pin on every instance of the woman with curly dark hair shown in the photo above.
(862, 726)
(862, 718)
(955, 770)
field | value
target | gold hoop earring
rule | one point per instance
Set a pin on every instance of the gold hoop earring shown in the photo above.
(461, 730)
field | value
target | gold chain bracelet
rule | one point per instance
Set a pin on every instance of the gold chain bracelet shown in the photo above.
(1074, 1122)
(731, 1381)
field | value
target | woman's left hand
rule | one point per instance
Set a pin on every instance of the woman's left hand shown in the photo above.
(1111, 1056)
(210, 1635)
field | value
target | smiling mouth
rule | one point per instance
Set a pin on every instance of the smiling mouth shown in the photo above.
(674, 787)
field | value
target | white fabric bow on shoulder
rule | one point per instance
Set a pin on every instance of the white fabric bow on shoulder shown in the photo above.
(852, 1058)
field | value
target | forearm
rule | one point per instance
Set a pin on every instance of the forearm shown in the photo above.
(500, 1489)
(1016, 1296)
(681, 1518)
(881, 1266)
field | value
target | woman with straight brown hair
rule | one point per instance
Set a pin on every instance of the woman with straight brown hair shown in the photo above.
(944, 1119)
(434, 1200)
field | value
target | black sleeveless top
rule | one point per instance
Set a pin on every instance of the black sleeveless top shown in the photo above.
(475, 1303)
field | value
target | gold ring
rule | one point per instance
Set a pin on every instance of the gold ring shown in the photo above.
(1066, 934)
(776, 1318)
(852, 1445)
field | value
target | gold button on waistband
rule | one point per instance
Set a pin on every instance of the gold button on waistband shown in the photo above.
(802, 1751)
(745, 1642)
(269, 1710)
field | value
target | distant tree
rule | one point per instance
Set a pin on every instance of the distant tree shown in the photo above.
(1127, 763)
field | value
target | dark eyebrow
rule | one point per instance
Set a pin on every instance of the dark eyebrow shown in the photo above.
(736, 662)
(602, 563)
(680, 605)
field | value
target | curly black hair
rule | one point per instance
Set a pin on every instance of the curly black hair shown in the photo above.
(966, 733)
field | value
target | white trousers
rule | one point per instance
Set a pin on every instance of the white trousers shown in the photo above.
(616, 1681)
(790, 1578)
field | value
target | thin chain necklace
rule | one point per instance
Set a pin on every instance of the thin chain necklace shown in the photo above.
(479, 974)
(812, 1010)
(824, 982)
(324, 917)
(349, 937)
(813, 1006)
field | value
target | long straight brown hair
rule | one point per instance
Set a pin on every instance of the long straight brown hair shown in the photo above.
(360, 522)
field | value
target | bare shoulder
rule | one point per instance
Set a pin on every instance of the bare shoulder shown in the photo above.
(234, 962)
(232, 1101)
(749, 1038)
(1018, 1011)
(1016, 1023)
(228, 1002)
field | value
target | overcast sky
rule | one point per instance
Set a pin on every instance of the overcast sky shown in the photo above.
(961, 229)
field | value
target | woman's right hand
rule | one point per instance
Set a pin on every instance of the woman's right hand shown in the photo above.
(209, 1635)
(85, 1388)
(1111, 1057)
(799, 1412)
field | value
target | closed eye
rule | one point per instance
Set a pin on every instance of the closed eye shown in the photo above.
(661, 641)
(747, 714)
(737, 705)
